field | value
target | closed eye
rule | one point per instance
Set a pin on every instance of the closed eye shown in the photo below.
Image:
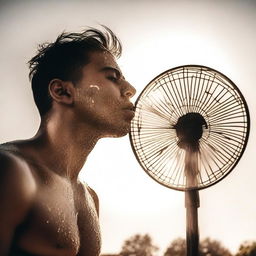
(112, 74)
(113, 79)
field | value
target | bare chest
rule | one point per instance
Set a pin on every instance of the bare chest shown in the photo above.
(63, 221)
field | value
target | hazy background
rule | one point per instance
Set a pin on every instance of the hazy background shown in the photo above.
(156, 35)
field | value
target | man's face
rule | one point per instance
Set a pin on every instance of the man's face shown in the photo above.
(103, 96)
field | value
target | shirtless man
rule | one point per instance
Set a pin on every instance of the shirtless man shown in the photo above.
(81, 96)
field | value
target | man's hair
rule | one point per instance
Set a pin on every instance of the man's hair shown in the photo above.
(64, 59)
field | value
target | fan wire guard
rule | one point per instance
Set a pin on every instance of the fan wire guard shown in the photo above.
(173, 94)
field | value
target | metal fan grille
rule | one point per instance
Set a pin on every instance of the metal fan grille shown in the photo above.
(174, 93)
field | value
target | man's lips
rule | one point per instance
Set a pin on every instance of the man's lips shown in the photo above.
(130, 109)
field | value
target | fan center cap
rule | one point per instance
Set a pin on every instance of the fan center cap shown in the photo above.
(189, 129)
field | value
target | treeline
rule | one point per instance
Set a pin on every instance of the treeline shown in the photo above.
(142, 245)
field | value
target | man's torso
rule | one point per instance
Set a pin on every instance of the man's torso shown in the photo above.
(62, 220)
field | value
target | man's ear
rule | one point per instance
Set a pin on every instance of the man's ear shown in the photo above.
(62, 91)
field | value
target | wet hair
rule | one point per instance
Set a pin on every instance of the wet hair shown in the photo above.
(64, 59)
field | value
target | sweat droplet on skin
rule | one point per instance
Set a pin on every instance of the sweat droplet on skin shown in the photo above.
(95, 86)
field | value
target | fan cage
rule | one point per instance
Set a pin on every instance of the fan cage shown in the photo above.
(174, 93)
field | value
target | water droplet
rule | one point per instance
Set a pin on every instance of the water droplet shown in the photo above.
(58, 230)
(47, 221)
(95, 86)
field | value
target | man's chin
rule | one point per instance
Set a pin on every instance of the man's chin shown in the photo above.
(121, 132)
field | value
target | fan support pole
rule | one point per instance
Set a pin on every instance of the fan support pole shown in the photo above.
(192, 203)
(192, 233)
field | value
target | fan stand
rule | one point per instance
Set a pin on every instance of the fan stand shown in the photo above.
(192, 203)
(189, 129)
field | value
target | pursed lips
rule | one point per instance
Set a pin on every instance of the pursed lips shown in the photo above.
(130, 107)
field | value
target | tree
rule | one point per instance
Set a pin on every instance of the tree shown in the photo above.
(176, 248)
(247, 249)
(207, 247)
(138, 245)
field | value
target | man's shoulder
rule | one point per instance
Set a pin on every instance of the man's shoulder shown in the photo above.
(90, 190)
(15, 173)
(17, 189)
(93, 195)
(11, 161)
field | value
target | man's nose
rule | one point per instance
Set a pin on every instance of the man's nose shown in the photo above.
(128, 91)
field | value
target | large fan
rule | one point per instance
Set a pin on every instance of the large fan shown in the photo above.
(190, 129)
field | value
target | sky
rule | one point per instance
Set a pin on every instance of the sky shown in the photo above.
(156, 36)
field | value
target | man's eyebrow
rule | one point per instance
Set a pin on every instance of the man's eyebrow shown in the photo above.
(109, 68)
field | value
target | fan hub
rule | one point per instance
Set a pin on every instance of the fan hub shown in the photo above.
(189, 130)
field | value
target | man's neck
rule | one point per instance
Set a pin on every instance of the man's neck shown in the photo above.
(64, 147)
